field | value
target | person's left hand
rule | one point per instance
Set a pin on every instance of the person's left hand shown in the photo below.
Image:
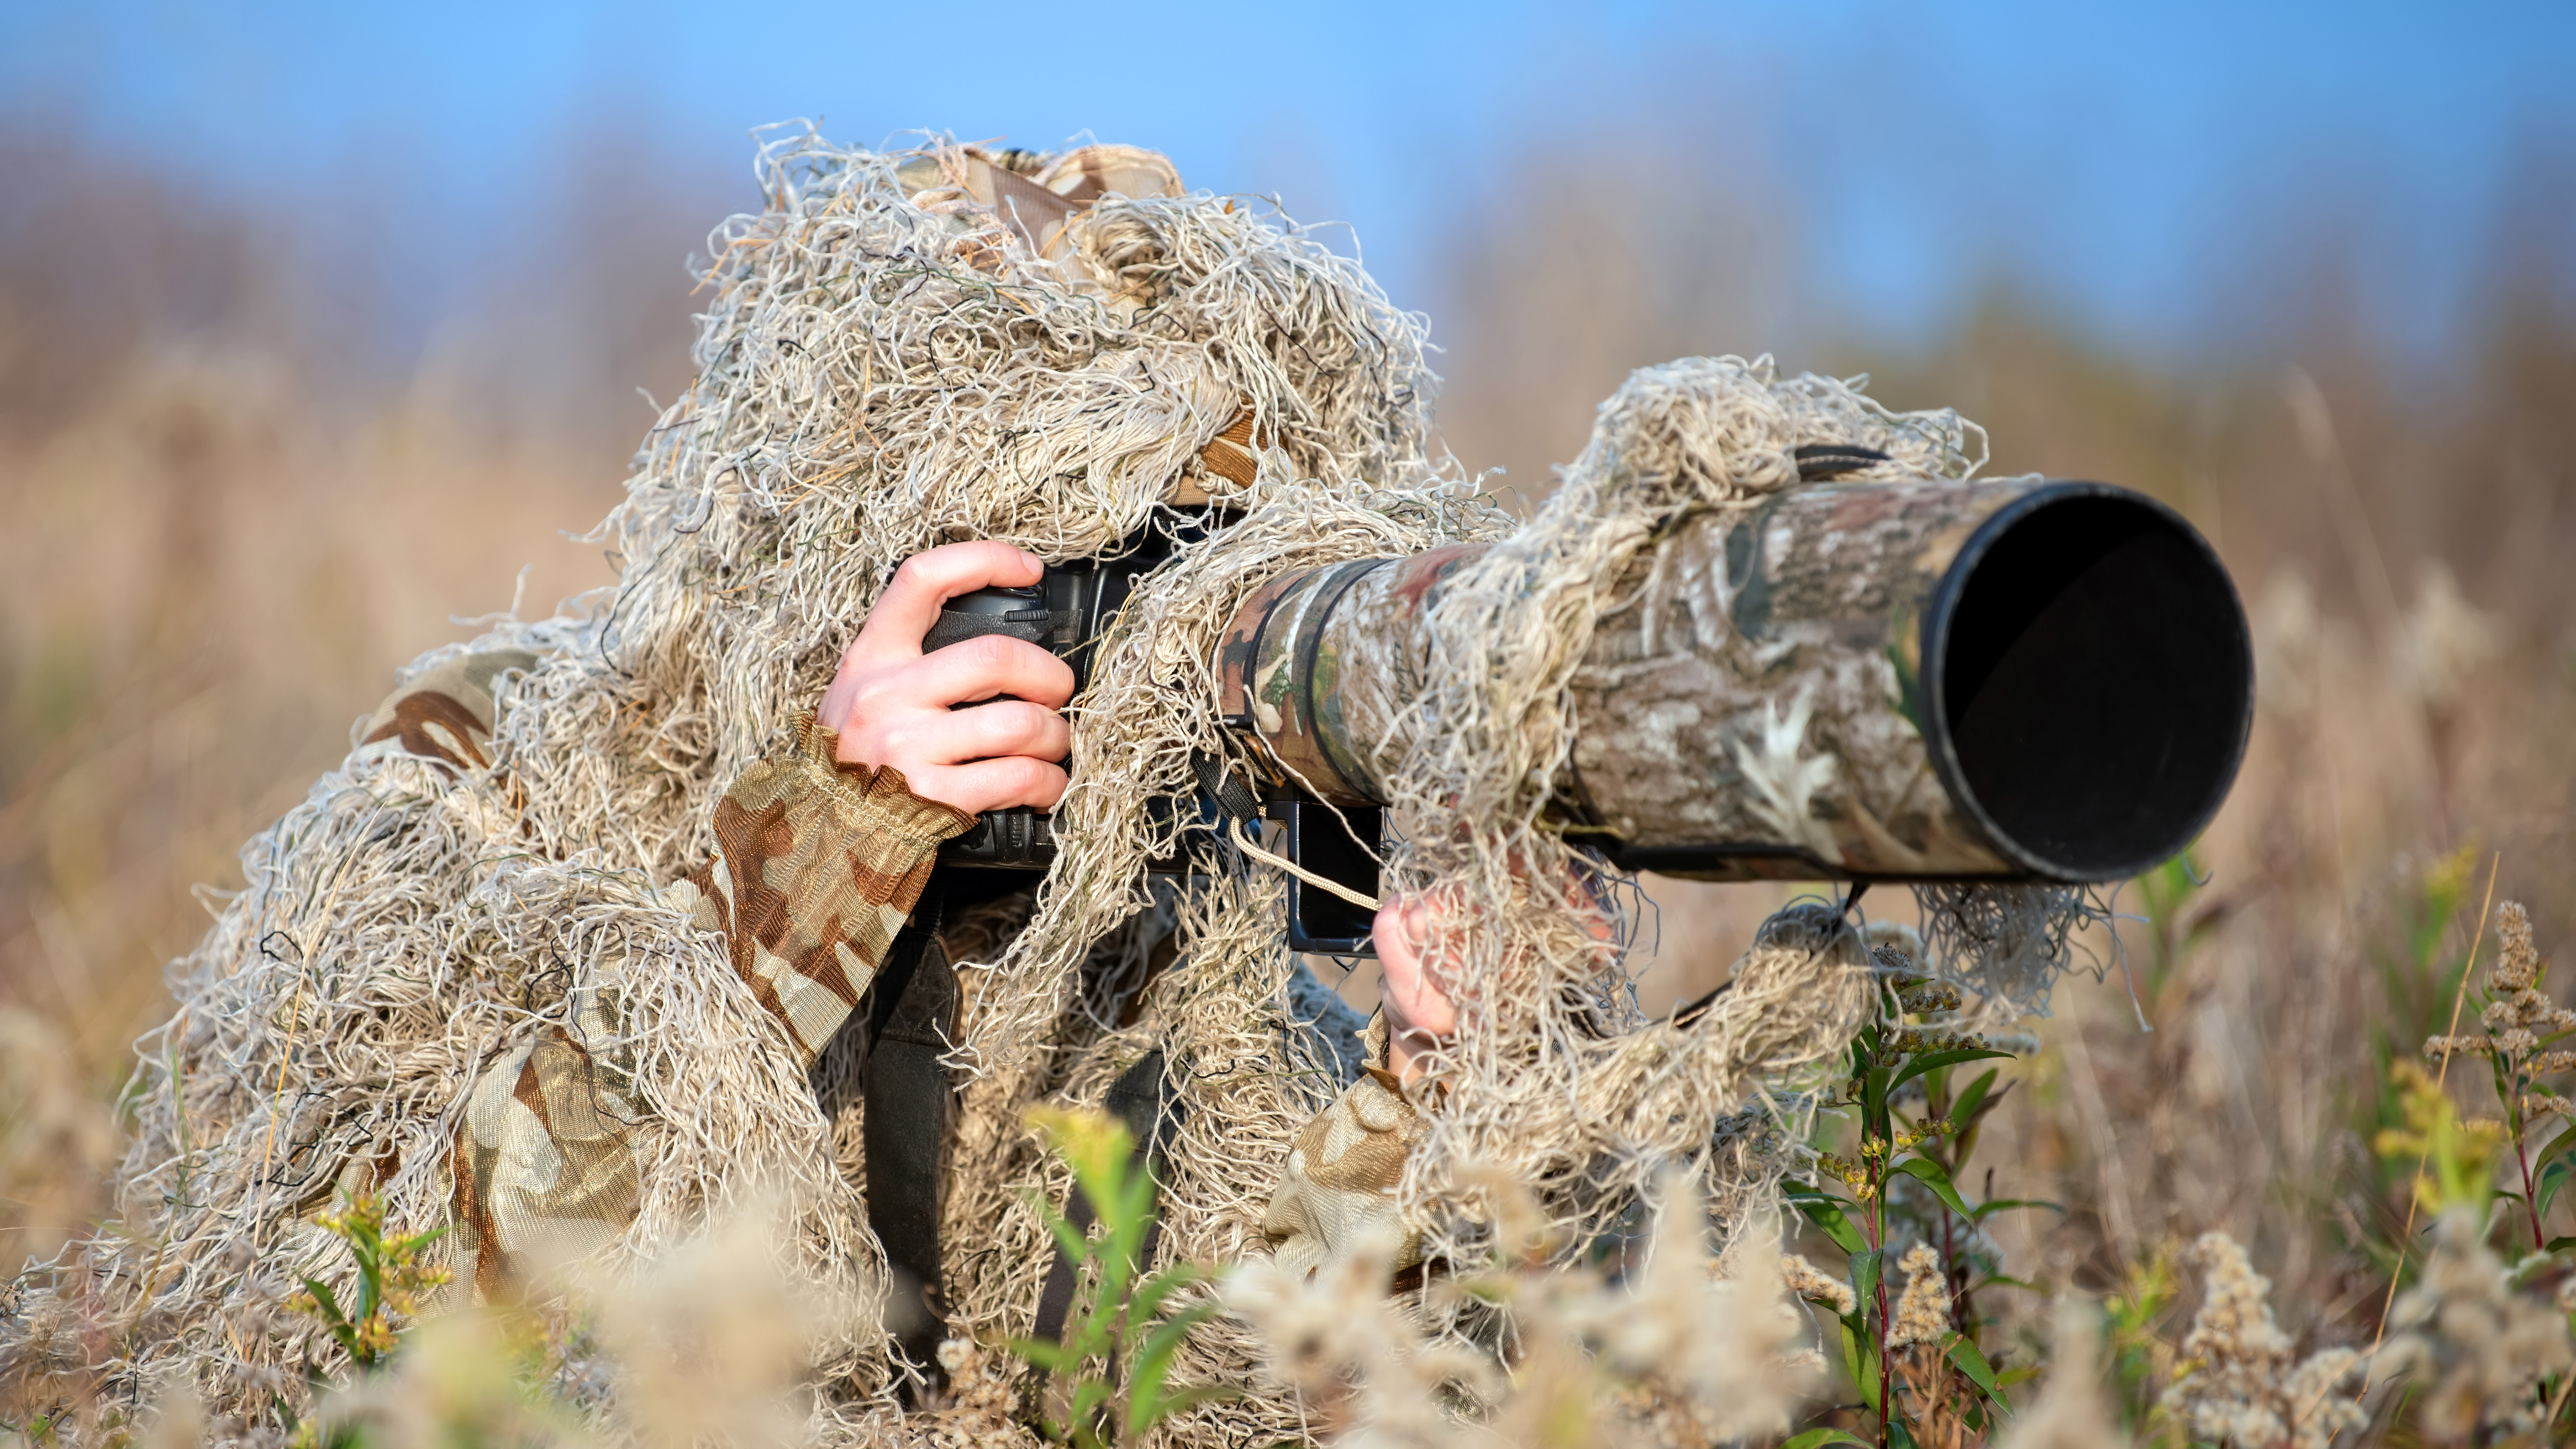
(1411, 993)
(1416, 963)
(894, 706)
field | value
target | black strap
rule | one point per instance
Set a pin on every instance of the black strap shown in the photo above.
(1142, 1099)
(1824, 462)
(1225, 787)
(911, 1107)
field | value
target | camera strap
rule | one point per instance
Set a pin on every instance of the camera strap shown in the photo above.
(910, 1118)
(1142, 1100)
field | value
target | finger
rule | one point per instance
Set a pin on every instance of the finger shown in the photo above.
(980, 732)
(1411, 988)
(993, 784)
(910, 603)
(980, 668)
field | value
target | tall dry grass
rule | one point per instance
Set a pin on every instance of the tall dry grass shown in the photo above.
(234, 504)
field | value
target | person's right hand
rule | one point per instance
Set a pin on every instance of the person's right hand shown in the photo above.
(894, 705)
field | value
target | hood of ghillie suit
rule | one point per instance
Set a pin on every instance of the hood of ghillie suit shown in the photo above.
(904, 350)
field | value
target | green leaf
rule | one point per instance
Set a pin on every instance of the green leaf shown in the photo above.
(1146, 1402)
(418, 1241)
(1864, 1271)
(1963, 1352)
(1147, 1300)
(1046, 1353)
(1932, 1175)
(1089, 1396)
(2562, 1142)
(1181, 1399)
(2552, 1178)
(2006, 1204)
(1929, 1060)
(1860, 1360)
(1818, 1438)
(341, 1328)
(1827, 1213)
(1964, 1111)
(1070, 1240)
(321, 1292)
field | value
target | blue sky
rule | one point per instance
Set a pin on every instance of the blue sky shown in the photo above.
(2114, 162)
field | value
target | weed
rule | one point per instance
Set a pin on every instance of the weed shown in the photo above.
(390, 1279)
(1116, 1331)
(1919, 1367)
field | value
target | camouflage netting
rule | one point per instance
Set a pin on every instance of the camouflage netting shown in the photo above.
(884, 366)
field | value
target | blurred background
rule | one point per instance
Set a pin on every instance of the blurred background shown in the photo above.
(322, 327)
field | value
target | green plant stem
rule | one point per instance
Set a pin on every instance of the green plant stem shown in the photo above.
(2522, 1157)
(1878, 1244)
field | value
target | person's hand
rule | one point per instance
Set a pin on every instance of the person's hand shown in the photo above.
(1418, 949)
(1410, 991)
(893, 704)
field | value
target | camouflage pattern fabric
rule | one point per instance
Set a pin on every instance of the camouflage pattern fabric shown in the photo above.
(445, 714)
(544, 1172)
(1342, 1171)
(818, 864)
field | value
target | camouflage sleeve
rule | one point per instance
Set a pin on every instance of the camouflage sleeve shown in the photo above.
(818, 864)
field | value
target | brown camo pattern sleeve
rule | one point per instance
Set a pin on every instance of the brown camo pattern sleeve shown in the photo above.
(817, 865)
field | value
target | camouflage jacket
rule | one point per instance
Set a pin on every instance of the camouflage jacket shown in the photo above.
(818, 865)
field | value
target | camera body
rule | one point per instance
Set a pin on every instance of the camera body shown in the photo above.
(1067, 612)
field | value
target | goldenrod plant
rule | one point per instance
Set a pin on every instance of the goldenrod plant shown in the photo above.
(1109, 1369)
(391, 1276)
(1913, 1352)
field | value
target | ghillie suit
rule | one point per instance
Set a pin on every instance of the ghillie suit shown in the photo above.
(483, 911)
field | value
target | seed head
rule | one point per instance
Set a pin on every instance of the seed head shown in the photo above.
(1817, 1286)
(2517, 966)
(1923, 1314)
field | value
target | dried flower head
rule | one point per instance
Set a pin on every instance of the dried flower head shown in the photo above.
(1818, 1286)
(2237, 1383)
(1923, 1314)
(2479, 1350)
(2517, 964)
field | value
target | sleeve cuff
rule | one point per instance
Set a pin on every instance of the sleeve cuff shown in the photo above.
(880, 792)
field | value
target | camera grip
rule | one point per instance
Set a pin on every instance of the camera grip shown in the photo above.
(1018, 838)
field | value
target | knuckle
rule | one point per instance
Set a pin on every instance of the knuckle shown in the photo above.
(869, 697)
